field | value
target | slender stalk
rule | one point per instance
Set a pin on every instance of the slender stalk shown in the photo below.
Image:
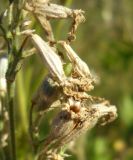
(2, 151)
(22, 102)
(10, 90)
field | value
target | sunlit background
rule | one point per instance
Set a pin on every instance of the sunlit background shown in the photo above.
(105, 43)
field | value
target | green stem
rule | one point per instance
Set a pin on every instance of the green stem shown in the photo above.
(2, 153)
(22, 101)
(10, 89)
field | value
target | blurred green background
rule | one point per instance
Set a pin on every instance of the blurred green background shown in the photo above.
(105, 43)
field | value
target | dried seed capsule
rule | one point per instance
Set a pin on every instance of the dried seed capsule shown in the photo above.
(51, 10)
(85, 120)
(44, 11)
(80, 66)
(61, 127)
(81, 75)
(49, 57)
(98, 113)
(69, 124)
(46, 95)
(48, 92)
(107, 112)
(47, 27)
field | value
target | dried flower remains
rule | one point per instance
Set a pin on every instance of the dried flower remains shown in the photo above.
(78, 110)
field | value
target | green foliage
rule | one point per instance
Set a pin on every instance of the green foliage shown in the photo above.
(126, 113)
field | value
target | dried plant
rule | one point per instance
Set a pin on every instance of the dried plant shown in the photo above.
(78, 110)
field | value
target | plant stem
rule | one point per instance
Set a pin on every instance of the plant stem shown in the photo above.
(10, 90)
(22, 102)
